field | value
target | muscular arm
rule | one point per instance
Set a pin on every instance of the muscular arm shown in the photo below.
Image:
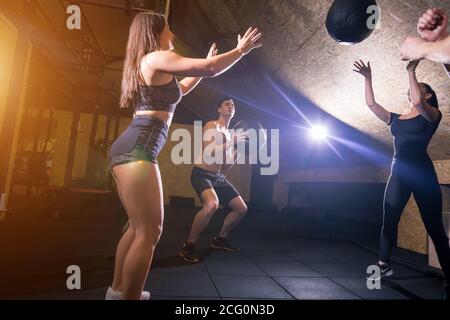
(416, 49)
(438, 51)
(434, 41)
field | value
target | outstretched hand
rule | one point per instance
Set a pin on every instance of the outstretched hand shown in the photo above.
(239, 136)
(363, 69)
(249, 41)
(213, 51)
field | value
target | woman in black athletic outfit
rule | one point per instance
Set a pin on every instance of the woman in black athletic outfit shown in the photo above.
(412, 170)
(149, 87)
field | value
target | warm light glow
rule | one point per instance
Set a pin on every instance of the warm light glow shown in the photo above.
(7, 49)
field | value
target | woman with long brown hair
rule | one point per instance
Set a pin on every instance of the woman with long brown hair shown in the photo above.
(150, 86)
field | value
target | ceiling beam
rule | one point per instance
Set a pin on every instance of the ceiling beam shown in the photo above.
(110, 6)
(91, 31)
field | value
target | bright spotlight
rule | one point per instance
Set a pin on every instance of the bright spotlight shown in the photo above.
(318, 133)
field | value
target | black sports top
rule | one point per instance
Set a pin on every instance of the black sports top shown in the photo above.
(412, 137)
(158, 98)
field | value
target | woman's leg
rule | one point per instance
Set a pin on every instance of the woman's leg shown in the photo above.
(121, 251)
(122, 248)
(396, 197)
(429, 200)
(140, 189)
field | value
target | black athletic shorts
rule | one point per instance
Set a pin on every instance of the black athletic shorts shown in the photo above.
(142, 141)
(202, 180)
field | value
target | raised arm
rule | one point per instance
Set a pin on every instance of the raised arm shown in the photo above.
(170, 62)
(432, 26)
(189, 83)
(417, 49)
(434, 44)
(438, 51)
(378, 110)
(417, 97)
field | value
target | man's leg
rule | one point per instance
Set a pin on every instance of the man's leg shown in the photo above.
(239, 209)
(201, 221)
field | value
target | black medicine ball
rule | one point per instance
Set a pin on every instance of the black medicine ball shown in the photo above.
(351, 21)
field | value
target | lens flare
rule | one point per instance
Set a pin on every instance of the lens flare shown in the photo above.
(318, 133)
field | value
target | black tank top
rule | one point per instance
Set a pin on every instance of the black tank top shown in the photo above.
(158, 98)
(412, 137)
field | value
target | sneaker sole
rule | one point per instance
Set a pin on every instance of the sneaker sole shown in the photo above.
(388, 274)
(224, 249)
(187, 259)
(117, 295)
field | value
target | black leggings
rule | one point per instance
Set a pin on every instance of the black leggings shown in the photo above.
(421, 181)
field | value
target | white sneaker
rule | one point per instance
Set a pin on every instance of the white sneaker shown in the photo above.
(117, 295)
(145, 295)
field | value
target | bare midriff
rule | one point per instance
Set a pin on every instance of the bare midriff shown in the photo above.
(164, 116)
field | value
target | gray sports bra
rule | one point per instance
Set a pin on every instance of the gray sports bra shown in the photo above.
(158, 98)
